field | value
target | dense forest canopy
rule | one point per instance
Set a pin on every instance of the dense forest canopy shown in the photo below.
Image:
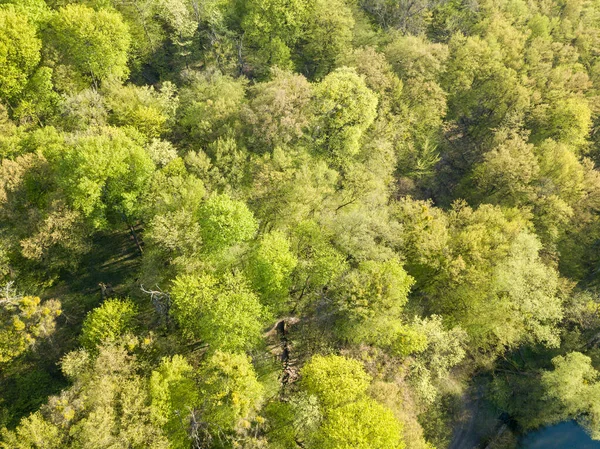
(297, 224)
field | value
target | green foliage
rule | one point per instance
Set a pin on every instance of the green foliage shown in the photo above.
(38, 100)
(507, 171)
(90, 46)
(150, 112)
(230, 392)
(327, 37)
(102, 174)
(279, 110)
(223, 313)
(374, 288)
(345, 108)
(483, 93)
(271, 266)
(225, 222)
(370, 300)
(334, 380)
(19, 52)
(24, 320)
(105, 406)
(362, 424)
(272, 27)
(174, 394)
(210, 105)
(411, 185)
(495, 265)
(319, 262)
(574, 384)
(108, 323)
(444, 349)
(349, 417)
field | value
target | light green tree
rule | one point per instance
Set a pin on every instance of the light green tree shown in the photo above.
(370, 300)
(107, 323)
(270, 268)
(574, 385)
(490, 265)
(483, 91)
(225, 222)
(347, 417)
(230, 392)
(19, 52)
(334, 380)
(89, 45)
(102, 174)
(224, 313)
(174, 396)
(344, 107)
(150, 111)
(210, 105)
(327, 37)
(271, 28)
(364, 424)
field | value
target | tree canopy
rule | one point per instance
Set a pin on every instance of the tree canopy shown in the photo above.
(298, 224)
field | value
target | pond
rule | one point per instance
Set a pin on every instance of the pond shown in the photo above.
(566, 435)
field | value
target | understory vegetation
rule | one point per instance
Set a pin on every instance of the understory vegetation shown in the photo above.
(297, 224)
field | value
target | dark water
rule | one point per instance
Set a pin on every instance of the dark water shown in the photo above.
(567, 435)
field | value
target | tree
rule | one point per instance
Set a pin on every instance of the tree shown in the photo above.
(507, 172)
(102, 175)
(150, 111)
(444, 349)
(334, 380)
(279, 110)
(567, 120)
(106, 406)
(91, 46)
(370, 300)
(349, 417)
(19, 52)
(290, 185)
(223, 313)
(319, 262)
(374, 288)
(379, 76)
(174, 397)
(483, 92)
(83, 110)
(272, 27)
(574, 385)
(410, 17)
(108, 323)
(230, 392)
(210, 107)
(363, 424)
(327, 38)
(344, 109)
(38, 102)
(39, 226)
(24, 320)
(270, 268)
(225, 222)
(422, 106)
(33, 431)
(491, 267)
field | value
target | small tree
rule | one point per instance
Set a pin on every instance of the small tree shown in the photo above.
(23, 320)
